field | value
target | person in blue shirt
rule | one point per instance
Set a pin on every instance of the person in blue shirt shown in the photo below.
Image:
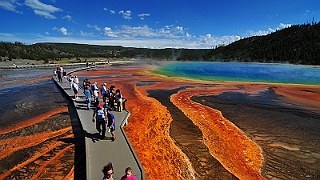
(111, 124)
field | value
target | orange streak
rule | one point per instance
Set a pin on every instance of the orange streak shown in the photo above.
(236, 152)
(25, 142)
(32, 159)
(52, 160)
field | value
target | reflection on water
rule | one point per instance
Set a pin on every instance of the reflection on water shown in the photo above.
(26, 94)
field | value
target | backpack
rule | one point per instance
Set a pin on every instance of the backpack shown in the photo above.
(101, 114)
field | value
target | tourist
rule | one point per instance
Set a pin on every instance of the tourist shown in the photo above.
(99, 115)
(55, 74)
(94, 87)
(128, 175)
(107, 172)
(59, 73)
(88, 94)
(85, 83)
(120, 101)
(76, 79)
(111, 97)
(104, 92)
(70, 79)
(64, 73)
(96, 97)
(75, 89)
(111, 124)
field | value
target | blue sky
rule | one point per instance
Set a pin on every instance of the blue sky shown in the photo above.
(149, 23)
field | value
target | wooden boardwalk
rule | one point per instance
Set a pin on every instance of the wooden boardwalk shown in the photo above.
(100, 152)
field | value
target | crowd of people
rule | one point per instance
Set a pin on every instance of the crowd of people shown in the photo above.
(59, 72)
(112, 100)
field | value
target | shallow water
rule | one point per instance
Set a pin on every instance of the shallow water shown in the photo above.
(26, 94)
(243, 72)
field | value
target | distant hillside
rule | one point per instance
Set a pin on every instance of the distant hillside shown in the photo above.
(56, 51)
(299, 44)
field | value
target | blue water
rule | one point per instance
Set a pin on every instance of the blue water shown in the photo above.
(247, 72)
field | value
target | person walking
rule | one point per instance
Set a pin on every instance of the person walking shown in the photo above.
(55, 74)
(104, 92)
(94, 88)
(128, 175)
(75, 89)
(111, 97)
(111, 124)
(108, 172)
(99, 115)
(120, 101)
(59, 73)
(87, 92)
(76, 79)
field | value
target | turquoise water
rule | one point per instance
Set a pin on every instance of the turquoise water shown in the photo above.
(247, 72)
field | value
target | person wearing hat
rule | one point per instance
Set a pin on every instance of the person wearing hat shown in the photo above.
(99, 115)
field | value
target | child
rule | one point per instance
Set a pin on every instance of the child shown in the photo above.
(128, 175)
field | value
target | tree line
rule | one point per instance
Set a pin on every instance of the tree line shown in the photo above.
(298, 44)
(57, 51)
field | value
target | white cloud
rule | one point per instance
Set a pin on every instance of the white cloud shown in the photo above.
(213, 41)
(68, 17)
(174, 35)
(283, 26)
(126, 14)
(62, 30)
(268, 31)
(42, 9)
(306, 12)
(6, 35)
(111, 11)
(150, 40)
(142, 16)
(171, 31)
(108, 32)
(97, 28)
(10, 5)
(145, 32)
(85, 33)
